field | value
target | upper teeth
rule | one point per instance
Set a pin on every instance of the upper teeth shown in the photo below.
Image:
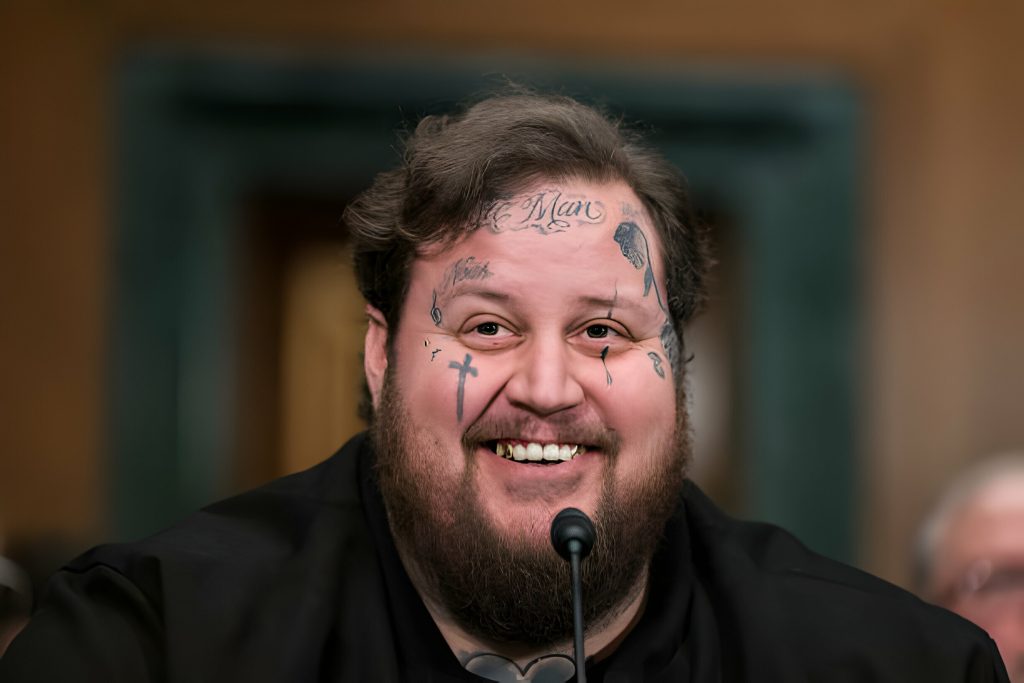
(538, 452)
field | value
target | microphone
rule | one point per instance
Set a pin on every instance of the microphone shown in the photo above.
(572, 535)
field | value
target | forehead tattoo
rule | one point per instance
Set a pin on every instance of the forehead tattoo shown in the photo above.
(547, 211)
(634, 246)
(463, 270)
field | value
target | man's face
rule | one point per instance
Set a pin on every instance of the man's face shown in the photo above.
(530, 372)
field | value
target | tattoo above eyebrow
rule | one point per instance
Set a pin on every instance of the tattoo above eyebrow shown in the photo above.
(463, 270)
(546, 211)
(634, 246)
(607, 375)
(464, 369)
(495, 667)
(656, 359)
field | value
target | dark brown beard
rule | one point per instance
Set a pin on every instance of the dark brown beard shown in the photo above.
(501, 589)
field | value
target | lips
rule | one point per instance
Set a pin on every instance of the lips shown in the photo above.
(523, 439)
(536, 451)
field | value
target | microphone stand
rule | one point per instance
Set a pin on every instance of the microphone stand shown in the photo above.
(573, 535)
(576, 562)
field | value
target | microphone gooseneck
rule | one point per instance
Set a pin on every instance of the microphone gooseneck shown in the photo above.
(573, 535)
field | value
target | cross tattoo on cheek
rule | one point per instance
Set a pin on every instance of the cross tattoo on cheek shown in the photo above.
(464, 369)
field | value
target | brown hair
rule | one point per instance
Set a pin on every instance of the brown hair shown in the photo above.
(455, 166)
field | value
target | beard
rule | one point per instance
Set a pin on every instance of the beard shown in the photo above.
(509, 588)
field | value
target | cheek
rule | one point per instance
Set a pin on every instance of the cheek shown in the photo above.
(639, 399)
(445, 383)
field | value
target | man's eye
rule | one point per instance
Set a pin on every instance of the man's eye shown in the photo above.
(597, 331)
(488, 329)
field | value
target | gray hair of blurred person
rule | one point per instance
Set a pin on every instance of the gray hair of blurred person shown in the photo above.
(964, 490)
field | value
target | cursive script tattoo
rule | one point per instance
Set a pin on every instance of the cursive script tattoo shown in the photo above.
(464, 269)
(547, 212)
(557, 668)
(633, 244)
(464, 369)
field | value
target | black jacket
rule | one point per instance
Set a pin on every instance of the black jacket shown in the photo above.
(299, 581)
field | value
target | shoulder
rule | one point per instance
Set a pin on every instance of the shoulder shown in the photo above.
(767, 587)
(241, 554)
(272, 521)
(216, 592)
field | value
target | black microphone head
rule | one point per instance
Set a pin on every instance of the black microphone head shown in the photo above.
(572, 525)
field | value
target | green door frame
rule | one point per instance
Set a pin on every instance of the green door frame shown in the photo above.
(197, 133)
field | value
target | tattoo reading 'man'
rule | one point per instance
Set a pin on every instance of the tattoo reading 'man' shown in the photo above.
(547, 212)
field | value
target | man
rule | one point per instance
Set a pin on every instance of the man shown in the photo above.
(528, 269)
(971, 553)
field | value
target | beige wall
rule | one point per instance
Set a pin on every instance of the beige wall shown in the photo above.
(942, 375)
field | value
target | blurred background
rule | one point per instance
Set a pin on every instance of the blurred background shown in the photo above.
(179, 320)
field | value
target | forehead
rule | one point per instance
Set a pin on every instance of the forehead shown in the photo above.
(569, 224)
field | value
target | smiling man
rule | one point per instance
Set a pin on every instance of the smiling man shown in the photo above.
(528, 269)
(551, 389)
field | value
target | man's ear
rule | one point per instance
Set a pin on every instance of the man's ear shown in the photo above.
(375, 352)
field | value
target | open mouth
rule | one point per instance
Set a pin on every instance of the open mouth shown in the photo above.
(536, 452)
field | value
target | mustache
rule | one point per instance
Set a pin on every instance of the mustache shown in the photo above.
(561, 428)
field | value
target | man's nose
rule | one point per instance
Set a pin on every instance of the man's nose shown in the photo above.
(545, 380)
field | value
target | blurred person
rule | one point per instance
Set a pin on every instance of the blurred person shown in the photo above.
(971, 553)
(529, 269)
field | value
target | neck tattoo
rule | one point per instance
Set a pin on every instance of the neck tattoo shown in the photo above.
(556, 668)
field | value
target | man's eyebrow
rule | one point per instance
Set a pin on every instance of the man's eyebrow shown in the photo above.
(610, 303)
(476, 289)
